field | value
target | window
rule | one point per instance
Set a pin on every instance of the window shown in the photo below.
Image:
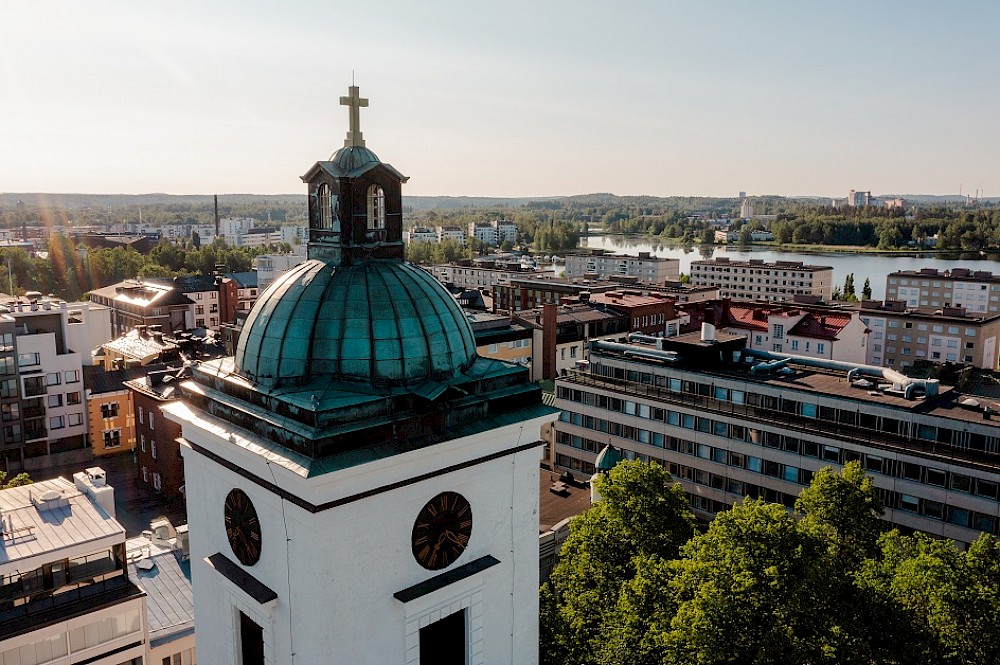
(109, 410)
(325, 209)
(142, 442)
(157, 484)
(376, 208)
(199, 309)
(152, 448)
(795, 345)
(72, 376)
(112, 438)
(820, 347)
(55, 401)
(74, 419)
(28, 359)
(57, 422)
(140, 415)
(145, 475)
(779, 331)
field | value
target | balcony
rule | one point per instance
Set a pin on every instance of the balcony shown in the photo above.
(51, 609)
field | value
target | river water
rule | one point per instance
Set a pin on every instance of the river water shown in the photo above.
(872, 266)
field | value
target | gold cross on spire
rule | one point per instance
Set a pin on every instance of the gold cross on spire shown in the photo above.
(354, 101)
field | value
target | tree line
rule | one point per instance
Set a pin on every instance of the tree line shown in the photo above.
(71, 270)
(826, 582)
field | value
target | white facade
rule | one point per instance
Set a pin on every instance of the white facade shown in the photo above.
(451, 233)
(494, 233)
(645, 268)
(472, 277)
(977, 292)
(420, 234)
(335, 570)
(270, 266)
(756, 280)
(64, 528)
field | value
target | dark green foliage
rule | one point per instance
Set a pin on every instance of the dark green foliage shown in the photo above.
(822, 585)
(17, 481)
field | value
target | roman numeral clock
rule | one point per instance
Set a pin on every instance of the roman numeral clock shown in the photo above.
(242, 527)
(442, 530)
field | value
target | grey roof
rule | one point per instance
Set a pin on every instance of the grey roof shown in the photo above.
(187, 283)
(378, 321)
(100, 381)
(169, 603)
(245, 280)
(33, 530)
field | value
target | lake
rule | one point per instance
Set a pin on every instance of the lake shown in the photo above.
(872, 266)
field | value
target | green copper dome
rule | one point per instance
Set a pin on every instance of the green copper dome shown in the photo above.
(383, 322)
(607, 459)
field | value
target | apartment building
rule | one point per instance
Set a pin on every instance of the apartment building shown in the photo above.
(269, 266)
(42, 412)
(467, 275)
(729, 422)
(903, 334)
(758, 280)
(138, 302)
(978, 291)
(645, 267)
(494, 233)
(501, 338)
(452, 233)
(66, 595)
(160, 468)
(420, 234)
(528, 291)
(834, 333)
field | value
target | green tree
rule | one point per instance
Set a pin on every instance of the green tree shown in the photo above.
(843, 508)
(707, 236)
(746, 236)
(642, 513)
(849, 292)
(17, 481)
(866, 291)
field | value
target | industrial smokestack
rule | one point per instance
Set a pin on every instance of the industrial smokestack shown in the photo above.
(216, 215)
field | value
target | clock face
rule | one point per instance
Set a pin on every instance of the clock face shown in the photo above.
(442, 530)
(243, 527)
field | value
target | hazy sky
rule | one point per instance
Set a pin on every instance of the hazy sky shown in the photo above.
(503, 98)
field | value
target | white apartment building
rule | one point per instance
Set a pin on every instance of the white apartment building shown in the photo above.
(493, 234)
(294, 235)
(645, 267)
(269, 266)
(978, 291)
(472, 277)
(452, 233)
(420, 234)
(757, 280)
(65, 592)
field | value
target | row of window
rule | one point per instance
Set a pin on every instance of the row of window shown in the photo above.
(931, 509)
(69, 420)
(152, 445)
(786, 407)
(157, 480)
(873, 463)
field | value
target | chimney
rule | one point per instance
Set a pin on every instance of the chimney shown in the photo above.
(217, 215)
(549, 329)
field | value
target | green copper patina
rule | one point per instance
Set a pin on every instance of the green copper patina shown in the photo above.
(382, 322)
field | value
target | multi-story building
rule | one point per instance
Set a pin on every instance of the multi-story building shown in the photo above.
(136, 302)
(295, 235)
(143, 345)
(451, 233)
(420, 234)
(467, 275)
(500, 338)
(529, 291)
(684, 293)
(859, 199)
(747, 208)
(645, 267)
(757, 235)
(43, 413)
(158, 455)
(729, 422)
(495, 233)
(66, 595)
(562, 333)
(269, 266)
(648, 313)
(902, 335)
(111, 409)
(978, 291)
(259, 237)
(757, 280)
(801, 330)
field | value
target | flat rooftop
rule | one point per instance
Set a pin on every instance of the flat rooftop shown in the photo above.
(49, 517)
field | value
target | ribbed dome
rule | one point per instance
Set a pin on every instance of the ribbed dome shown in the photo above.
(352, 159)
(377, 321)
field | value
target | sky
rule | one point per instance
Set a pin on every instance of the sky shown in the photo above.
(544, 98)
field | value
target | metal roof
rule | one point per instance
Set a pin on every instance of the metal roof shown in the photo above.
(169, 603)
(67, 518)
(378, 321)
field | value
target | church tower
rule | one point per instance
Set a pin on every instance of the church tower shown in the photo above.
(362, 487)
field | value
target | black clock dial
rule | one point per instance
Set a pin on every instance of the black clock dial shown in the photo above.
(442, 530)
(243, 527)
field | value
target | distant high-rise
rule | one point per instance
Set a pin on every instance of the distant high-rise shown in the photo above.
(859, 199)
(747, 209)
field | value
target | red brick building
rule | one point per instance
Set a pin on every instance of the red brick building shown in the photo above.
(158, 454)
